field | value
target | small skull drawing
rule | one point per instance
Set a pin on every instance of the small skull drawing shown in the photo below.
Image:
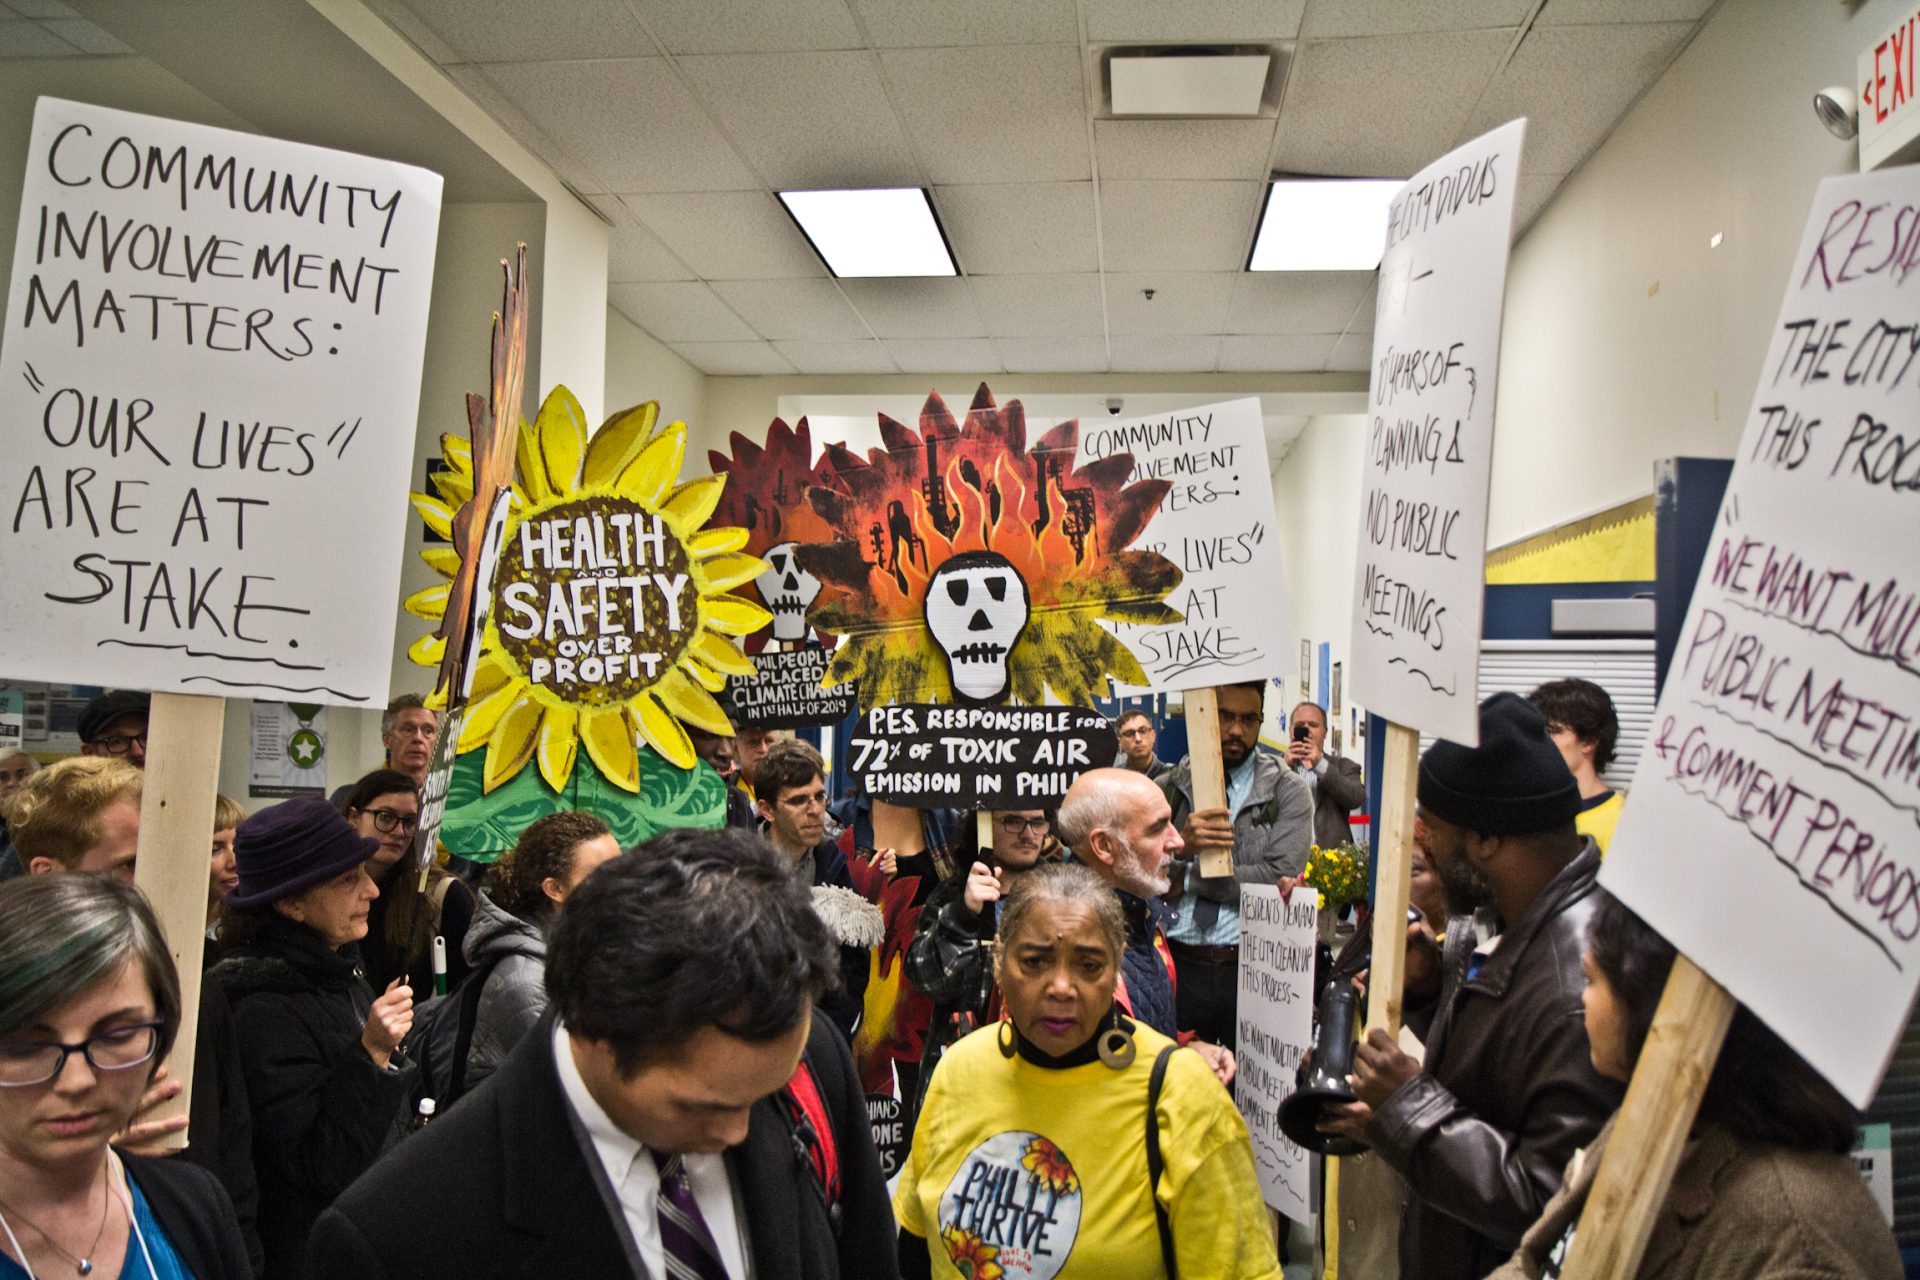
(977, 606)
(788, 590)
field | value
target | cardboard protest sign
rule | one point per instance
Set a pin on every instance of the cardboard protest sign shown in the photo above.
(1278, 938)
(926, 756)
(213, 354)
(766, 495)
(786, 691)
(1418, 576)
(1216, 524)
(1785, 756)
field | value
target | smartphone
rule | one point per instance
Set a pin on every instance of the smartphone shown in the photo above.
(1301, 730)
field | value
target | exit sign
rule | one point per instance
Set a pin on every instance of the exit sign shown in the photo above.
(1890, 96)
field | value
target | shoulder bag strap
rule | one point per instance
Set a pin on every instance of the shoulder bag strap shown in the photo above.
(1154, 1163)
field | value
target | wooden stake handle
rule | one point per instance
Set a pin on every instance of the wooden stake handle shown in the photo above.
(1637, 1170)
(176, 833)
(1209, 771)
(1392, 880)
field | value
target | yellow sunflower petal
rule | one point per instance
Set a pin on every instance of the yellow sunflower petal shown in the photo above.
(646, 478)
(559, 744)
(512, 743)
(733, 615)
(437, 514)
(427, 650)
(443, 560)
(618, 441)
(689, 702)
(662, 732)
(694, 501)
(484, 712)
(608, 736)
(720, 654)
(528, 469)
(453, 486)
(714, 542)
(489, 674)
(724, 573)
(561, 431)
(437, 700)
(429, 602)
(705, 676)
(457, 452)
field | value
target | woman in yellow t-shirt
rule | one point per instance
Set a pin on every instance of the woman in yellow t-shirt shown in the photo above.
(1068, 1142)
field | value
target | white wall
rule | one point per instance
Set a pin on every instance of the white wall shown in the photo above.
(640, 368)
(1316, 503)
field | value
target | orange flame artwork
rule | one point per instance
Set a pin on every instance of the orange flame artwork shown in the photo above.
(766, 495)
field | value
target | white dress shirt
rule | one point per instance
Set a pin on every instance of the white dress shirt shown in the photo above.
(636, 1179)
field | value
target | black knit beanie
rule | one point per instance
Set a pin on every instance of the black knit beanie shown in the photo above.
(1514, 783)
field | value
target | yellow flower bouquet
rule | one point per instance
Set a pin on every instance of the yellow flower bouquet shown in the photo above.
(1340, 875)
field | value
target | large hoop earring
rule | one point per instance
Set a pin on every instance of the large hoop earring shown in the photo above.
(1116, 1047)
(1005, 1037)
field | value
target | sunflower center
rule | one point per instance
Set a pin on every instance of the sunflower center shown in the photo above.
(596, 600)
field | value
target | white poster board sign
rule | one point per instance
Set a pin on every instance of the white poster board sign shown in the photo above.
(1216, 523)
(1784, 761)
(212, 371)
(1423, 521)
(1275, 1025)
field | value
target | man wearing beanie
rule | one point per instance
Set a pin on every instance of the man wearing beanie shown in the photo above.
(1508, 1091)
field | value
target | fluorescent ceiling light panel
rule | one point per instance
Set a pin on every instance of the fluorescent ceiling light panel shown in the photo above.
(890, 232)
(1324, 224)
(1183, 85)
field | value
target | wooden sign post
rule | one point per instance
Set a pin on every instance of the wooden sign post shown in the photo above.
(1393, 881)
(1209, 771)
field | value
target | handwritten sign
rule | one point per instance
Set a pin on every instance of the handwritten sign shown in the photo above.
(925, 756)
(1216, 525)
(1785, 751)
(1436, 354)
(1277, 943)
(212, 373)
(785, 692)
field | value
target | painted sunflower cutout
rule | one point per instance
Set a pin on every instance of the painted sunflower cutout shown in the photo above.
(971, 567)
(613, 614)
(766, 495)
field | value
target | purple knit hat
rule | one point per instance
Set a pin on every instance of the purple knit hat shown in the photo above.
(293, 846)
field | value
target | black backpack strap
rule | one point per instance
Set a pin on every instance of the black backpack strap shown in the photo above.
(1154, 1163)
(469, 998)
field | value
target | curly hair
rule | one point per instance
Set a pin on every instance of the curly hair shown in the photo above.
(55, 812)
(545, 850)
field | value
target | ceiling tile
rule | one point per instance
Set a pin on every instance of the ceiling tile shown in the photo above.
(807, 121)
(1574, 83)
(928, 24)
(633, 253)
(1028, 306)
(629, 120)
(795, 309)
(85, 37)
(1192, 21)
(1533, 194)
(1020, 229)
(1352, 354)
(500, 30)
(1182, 303)
(1277, 353)
(944, 355)
(1296, 301)
(688, 312)
(1165, 355)
(1009, 114)
(1361, 321)
(838, 357)
(1177, 226)
(732, 358)
(42, 9)
(749, 26)
(1327, 19)
(916, 308)
(22, 39)
(1412, 92)
(1199, 149)
(1559, 13)
(728, 235)
(1052, 355)
(476, 82)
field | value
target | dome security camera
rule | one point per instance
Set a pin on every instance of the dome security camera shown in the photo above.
(1114, 405)
(1839, 110)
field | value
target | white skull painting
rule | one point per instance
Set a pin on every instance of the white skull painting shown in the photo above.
(788, 590)
(977, 606)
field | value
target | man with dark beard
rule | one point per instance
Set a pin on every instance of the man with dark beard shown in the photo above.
(1508, 1091)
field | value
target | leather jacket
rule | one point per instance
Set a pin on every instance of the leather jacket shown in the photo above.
(1508, 1092)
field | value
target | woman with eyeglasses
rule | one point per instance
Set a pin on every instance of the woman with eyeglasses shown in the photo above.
(385, 806)
(320, 1052)
(89, 1006)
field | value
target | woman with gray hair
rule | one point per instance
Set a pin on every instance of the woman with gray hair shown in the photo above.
(1068, 1138)
(89, 1007)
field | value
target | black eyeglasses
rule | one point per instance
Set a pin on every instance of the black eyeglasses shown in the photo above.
(37, 1062)
(121, 744)
(1013, 826)
(389, 819)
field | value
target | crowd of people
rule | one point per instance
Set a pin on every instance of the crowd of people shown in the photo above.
(581, 1059)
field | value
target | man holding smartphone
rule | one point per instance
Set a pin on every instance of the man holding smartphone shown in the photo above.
(1335, 781)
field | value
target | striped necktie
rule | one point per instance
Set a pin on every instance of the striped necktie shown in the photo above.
(686, 1245)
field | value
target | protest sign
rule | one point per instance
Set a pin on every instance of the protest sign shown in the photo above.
(1278, 938)
(1785, 752)
(988, 758)
(785, 691)
(766, 495)
(1216, 524)
(1418, 575)
(213, 354)
(288, 750)
(13, 719)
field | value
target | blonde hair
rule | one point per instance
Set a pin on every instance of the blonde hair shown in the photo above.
(227, 814)
(55, 813)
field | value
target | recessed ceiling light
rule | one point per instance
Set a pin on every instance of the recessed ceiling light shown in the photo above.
(1323, 224)
(1197, 85)
(889, 232)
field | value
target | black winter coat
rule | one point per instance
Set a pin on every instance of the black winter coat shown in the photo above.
(322, 1111)
(194, 1211)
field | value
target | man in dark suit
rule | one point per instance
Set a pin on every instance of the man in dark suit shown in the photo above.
(654, 1123)
(1337, 787)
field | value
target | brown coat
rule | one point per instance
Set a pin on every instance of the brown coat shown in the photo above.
(1738, 1211)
